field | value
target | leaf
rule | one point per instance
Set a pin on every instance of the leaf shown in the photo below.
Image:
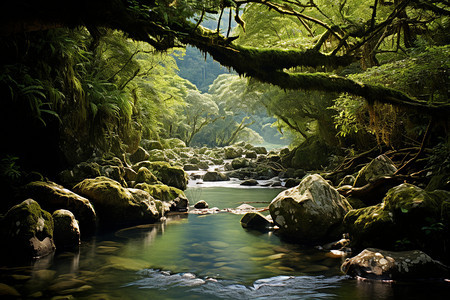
(404, 210)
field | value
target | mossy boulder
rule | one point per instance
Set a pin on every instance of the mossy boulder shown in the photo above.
(201, 204)
(79, 173)
(157, 155)
(259, 150)
(232, 152)
(151, 144)
(408, 218)
(145, 176)
(376, 264)
(251, 154)
(378, 167)
(52, 196)
(174, 143)
(239, 163)
(161, 192)
(140, 155)
(116, 205)
(66, 230)
(215, 176)
(166, 173)
(310, 211)
(27, 230)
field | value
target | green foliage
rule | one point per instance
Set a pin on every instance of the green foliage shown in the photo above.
(9, 168)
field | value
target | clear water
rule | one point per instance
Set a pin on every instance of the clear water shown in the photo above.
(200, 257)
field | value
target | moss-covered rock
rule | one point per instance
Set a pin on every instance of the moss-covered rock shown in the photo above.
(52, 196)
(310, 211)
(378, 264)
(174, 143)
(151, 144)
(259, 150)
(79, 173)
(145, 176)
(166, 173)
(215, 176)
(312, 154)
(378, 167)
(157, 155)
(27, 230)
(161, 191)
(66, 230)
(116, 205)
(239, 163)
(408, 218)
(140, 155)
(232, 152)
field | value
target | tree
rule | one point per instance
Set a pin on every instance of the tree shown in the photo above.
(342, 37)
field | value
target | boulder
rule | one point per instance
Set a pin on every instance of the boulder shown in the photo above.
(408, 218)
(175, 198)
(387, 265)
(157, 155)
(190, 167)
(312, 154)
(309, 211)
(174, 143)
(79, 173)
(151, 144)
(215, 176)
(145, 176)
(52, 196)
(201, 204)
(259, 150)
(251, 154)
(140, 155)
(166, 173)
(249, 182)
(239, 163)
(378, 167)
(347, 180)
(116, 205)
(66, 231)
(27, 230)
(255, 220)
(232, 152)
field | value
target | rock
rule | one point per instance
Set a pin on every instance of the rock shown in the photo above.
(174, 143)
(251, 154)
(52, 196)
(79, 173)
(174, 198)
(378, 167)
(166, 173)
(232, 152)
(215, 176)
(66, 231)
(387, 265)
(249, 182)
(130, 174)
(190, 167)
(140, 155)
(145, 176)
(291, 182)
(239, 163)
(201, 204)
(116, 205)
(27, 230)
(259, 150)
(151, 144)
(309, 211)
(157, 155)
(254, 220)
(408, 218)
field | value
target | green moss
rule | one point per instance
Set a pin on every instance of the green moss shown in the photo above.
(161, 192)
(145, 176)
(103, 190)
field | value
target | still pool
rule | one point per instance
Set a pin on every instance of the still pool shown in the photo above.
(198, 257)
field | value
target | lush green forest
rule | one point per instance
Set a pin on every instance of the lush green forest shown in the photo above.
(91, 90)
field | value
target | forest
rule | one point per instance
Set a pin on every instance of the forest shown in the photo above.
(115, 111)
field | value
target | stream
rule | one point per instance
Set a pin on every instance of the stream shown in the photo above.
(191, 256)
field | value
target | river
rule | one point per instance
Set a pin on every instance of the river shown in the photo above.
(191, 256)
